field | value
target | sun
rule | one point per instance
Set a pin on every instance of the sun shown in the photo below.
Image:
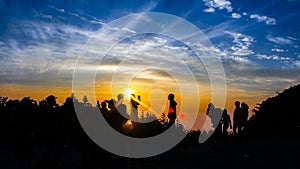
(128, 93)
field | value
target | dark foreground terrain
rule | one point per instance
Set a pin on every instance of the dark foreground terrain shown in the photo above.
(280, 152)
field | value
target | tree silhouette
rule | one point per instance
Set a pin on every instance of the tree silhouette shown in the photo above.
(279, 115)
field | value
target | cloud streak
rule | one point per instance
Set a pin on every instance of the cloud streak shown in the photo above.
(279, 40)
(262, 18)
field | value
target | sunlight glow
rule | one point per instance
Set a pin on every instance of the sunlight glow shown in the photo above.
(128, 123)
(128, 93)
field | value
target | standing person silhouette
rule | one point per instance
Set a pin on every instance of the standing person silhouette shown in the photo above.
(213, 113)
(118, 113)
(237, 119)
(121, 107)
(172, 109)
(103, 109)
(245, 113)
(226, 122)
(134, 107)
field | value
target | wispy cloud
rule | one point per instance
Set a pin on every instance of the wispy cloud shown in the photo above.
(262, 18)
(85, 17)
(41, 49)
(148, 6)
(277, 50)
(279, 40)
(219, 30)
(274, 57)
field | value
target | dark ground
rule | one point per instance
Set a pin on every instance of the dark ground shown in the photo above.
(254, 153)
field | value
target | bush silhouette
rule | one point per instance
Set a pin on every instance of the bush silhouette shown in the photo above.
(279, 115)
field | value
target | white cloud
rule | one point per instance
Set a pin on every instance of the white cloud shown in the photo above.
(239, 59)
(261, 18)
(236, 15)
(277, 50)
(219, 4)
(45, 47)
(127, 29)
(242, 43)
(209, 10)
(260, 56)
(273, 57)
(279, 40)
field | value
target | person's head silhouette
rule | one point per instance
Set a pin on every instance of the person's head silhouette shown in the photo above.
(211, 105)
(210, 108)
(120, 97)
(237, 104)
(171, 97)
(224, 112)
(244, 106)
(103, 105)
(111, 103)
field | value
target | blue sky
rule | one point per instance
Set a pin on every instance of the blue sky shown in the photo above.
(258, 42)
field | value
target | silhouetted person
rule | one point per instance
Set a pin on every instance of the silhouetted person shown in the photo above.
(53, 132)
(111, 104)
(245, 113)
(226, 122)
(210, 107)
(214, 114)
(134, 107)
(103, 109)
(237, 119)
(172, 109)
(98, 104)
(118, 113)
(120, 106)
(69, 120)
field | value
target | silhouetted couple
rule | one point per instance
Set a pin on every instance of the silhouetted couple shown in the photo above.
(240, 117)
(220, 125)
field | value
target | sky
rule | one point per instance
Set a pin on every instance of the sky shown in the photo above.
(257, 43)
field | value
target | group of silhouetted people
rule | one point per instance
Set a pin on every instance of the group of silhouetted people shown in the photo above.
(221, 123)
(56, 128)
(115, 112)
